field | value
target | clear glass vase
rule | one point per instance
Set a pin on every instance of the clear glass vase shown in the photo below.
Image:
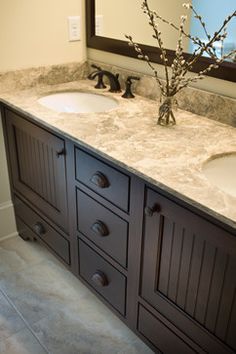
(166, 111)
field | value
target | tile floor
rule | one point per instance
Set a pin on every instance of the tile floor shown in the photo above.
(45, 309)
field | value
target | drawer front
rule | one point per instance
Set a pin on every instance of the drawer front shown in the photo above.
(161, 336)
(23, 230)
(103, 277)
(107, 230)
(43, 230)
(103, 179)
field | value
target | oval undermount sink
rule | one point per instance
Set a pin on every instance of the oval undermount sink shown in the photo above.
(78, 102)
(221, 171)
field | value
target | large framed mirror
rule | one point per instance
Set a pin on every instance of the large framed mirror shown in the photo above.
(108, 23)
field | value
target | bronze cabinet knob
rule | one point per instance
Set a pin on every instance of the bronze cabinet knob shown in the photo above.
(99, 279)
(100, 228)
(61, 152)
(149, 211)
(39, 229)
(100, 180)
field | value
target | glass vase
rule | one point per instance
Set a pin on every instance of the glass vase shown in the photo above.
(166, 111)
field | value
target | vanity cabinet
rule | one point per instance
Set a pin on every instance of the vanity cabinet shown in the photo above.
(165, 269)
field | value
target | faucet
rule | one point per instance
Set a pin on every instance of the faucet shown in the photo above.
(113, 79)
(97, 72)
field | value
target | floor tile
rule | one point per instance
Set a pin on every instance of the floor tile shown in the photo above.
(62, 313)
(69, 333)
(16, 254)
(10, 321)
(43, 289)
(22, 342)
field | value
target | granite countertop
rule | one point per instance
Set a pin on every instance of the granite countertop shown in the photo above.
(171, 158)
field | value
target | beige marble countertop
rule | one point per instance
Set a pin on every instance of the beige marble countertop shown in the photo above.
(171, 158)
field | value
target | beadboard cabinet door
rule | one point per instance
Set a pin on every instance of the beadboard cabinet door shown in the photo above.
(189, 272)
(37, 160)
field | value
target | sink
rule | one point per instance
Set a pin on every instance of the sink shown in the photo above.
(221, 171)
(78, 102)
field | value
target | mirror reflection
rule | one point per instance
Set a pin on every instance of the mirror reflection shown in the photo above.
(126, 17)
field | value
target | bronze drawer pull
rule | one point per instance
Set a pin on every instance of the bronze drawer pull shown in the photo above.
(150, 211)
(100, 228)
(99, 279)
(100, 180)
(39, 229)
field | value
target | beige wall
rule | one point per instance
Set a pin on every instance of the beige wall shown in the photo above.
(34, 33)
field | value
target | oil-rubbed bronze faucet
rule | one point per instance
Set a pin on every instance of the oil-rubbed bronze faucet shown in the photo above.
(113, 79)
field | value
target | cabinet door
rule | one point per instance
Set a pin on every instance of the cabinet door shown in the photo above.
(189, 267)
(38, 167)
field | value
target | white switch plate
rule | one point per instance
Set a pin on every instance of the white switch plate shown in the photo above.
(74, 28)
(99, 25)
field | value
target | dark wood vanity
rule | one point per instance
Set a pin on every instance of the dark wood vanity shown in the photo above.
(167, 269)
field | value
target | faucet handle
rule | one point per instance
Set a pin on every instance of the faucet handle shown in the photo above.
(128, 93)
(96, 67)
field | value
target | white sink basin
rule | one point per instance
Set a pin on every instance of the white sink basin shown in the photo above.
(221, 171)
(78, 102)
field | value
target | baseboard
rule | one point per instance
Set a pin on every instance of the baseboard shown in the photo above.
(14, 234)
(7, 221)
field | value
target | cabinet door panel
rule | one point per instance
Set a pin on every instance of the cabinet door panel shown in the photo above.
(38, 171)
(189, 263)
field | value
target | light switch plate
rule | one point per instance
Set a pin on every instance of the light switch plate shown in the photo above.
(99, 25)
(74, 28)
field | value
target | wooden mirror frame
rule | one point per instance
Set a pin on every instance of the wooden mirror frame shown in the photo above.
(226, 71)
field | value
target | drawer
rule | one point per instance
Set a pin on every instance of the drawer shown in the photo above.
(104, 228)
(162, 337)
(103, 277)
(43, 230)
(24, 231)
(103, 179)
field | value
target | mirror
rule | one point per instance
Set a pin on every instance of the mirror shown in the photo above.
(107, 25)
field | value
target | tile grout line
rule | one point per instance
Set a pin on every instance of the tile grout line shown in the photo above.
(24, 320)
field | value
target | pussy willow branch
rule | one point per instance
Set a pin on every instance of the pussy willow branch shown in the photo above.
(216, 37)
(180, 67)
(142, 55)
(205, 71)
(194, 39)
(157, 36)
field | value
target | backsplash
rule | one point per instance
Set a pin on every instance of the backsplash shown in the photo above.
(47, 75)
(213, 106)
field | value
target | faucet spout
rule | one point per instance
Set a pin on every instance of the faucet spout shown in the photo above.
(113, 79)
